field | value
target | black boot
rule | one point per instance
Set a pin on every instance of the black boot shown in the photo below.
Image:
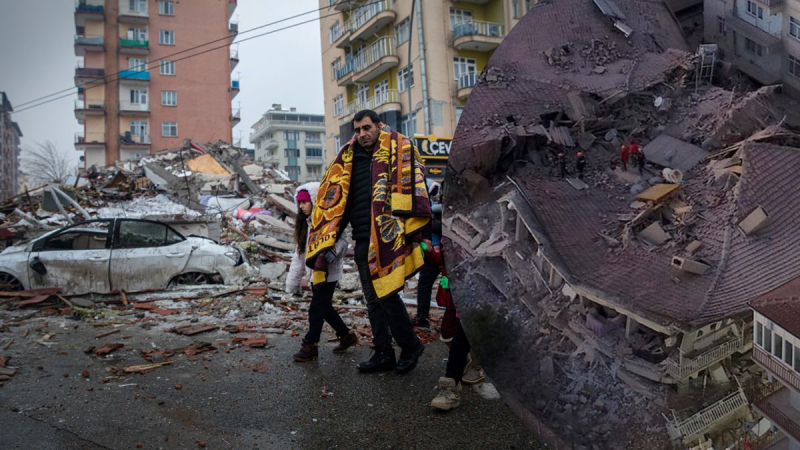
(382, 360)
(408, 359)
(308, 351)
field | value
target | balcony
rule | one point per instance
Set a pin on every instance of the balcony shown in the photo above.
(90, 140)
(779, 410)
(136, 16)
(740, 22)
(465, 85)
(134, 141)
(236, 117)
(231, 7)
(234, 89)
(686, 366)
(749, 66)
(88, 9)
(375, 60)
(233, 29)
(133, 109)
(776, 368)
(709, 417)
(135, 76)
(88, 108)
(477, 35)
(344, 74)
(234, 58)
(341, 37)
(134, 46)
(369, 19)
(85, 44)
(387, 101)
(84, 76)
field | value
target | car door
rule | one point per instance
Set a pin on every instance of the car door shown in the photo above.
(146, 255)
(74, 259)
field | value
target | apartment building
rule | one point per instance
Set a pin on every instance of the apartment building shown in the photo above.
(9, 150)
(372, 59)
(777, 351)
(292, 142)
(152, 98)
(760, 37)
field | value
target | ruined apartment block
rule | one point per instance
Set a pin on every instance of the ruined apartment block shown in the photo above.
(637, 286)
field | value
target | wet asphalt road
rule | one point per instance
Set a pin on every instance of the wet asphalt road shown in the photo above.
(242, 399)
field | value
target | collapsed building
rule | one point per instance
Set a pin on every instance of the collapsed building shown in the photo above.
(623, 298)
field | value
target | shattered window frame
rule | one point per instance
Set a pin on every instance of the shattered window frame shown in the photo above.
(166, 8)
(794, 66)
(167, 128)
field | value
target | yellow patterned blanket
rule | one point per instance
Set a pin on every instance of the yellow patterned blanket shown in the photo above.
(400, 208)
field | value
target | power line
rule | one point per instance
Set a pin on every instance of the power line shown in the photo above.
(107, 79)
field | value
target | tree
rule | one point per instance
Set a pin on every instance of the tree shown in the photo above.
(44, 163)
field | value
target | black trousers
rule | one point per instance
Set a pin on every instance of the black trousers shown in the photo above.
(321, 310)
(388, 317)
(427, 276)
(459, 350)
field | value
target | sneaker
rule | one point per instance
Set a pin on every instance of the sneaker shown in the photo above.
(380, 361)
(408, 359)
(307, 352)
(449, 396)
(420, 322)
(474, 375)
(348, 340)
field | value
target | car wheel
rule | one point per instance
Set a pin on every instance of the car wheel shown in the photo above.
(9, 283)
(191, 279)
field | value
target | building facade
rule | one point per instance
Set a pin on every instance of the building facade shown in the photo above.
(761, 38)
(152, 98)
(365, 60)
(9, 150)
(291, 141)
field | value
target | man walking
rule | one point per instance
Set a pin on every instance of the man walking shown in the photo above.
(377, 185)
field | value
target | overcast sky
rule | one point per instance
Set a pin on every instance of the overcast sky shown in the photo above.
(38, 59)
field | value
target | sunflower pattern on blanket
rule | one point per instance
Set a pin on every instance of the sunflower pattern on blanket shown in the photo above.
(400, 208)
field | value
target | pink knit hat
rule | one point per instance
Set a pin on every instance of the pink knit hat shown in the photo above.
(303, 196)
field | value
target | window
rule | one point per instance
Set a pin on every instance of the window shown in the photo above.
(137, 34)
(459, 111)
(139, 6)
(408, 125)
(337, 143)
(338, 105)
(139, 128)
(169, 129)
(166, 37)
(529, 4)
(138, 64)
(405, 78)
(362, 95)
(759, 334)
(459, 16)
(788, 352)
(335, 67)
(313, 153)
(138, 97)
(778, 350)
(293, 172)
(464, 66)
(797, 359)
(80, 239)
(768, 340)
(291, 135)
(402, 31)
(753, 47)
(314, 172)
(169, 98)
(515, 9)
(794, 27)
(754, 10)
(167, 67)
(292, 152)
(381, 92)
(311, 136)
(166, 8)
(136, 234)
(334, 32)
(722, 27)
(794, 66)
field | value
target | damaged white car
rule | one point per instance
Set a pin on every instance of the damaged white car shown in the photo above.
(105, 255)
